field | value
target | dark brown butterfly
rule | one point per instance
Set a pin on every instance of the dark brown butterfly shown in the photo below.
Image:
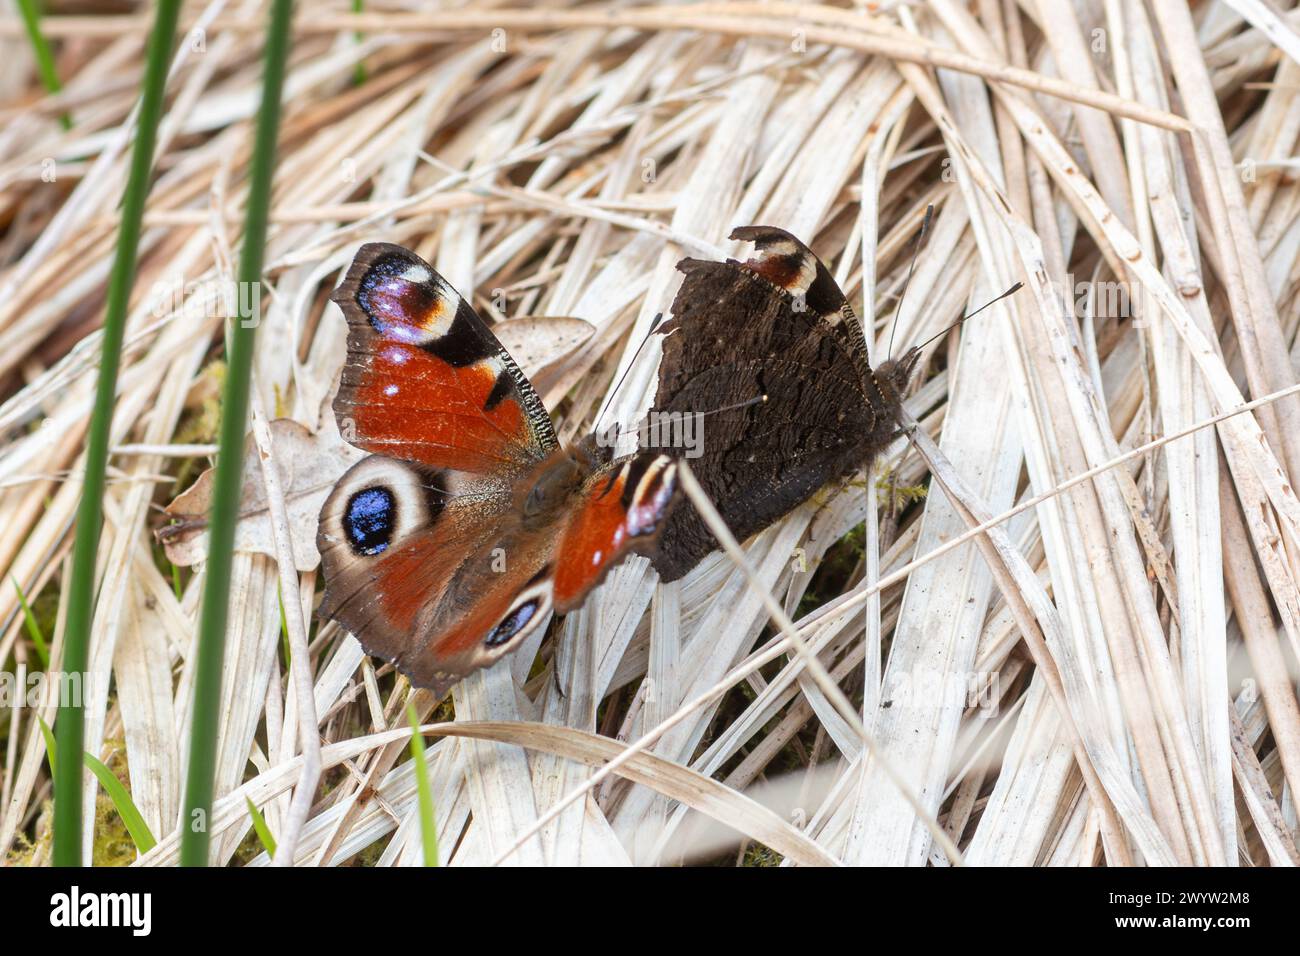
(775, 325)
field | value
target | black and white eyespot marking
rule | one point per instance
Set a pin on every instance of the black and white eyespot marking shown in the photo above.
(403, 298)
(656, 481)
(651, 484)
(379, 502)
(792, 267)
(369, 519)
(382, 270)
(531, 610)
(513, 623)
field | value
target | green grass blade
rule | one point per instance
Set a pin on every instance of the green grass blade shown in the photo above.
(230, 453)
(81, 582)
(358, 71)
(261, 829)
(141, 835)
(49, 74)
(33, 628)
(50, 745)
(284, 631)
(424, 793)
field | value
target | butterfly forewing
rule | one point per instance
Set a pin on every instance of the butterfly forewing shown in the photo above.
(425, 379)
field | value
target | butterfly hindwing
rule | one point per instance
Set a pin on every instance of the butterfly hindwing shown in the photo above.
(425, 380)
(428, 570)
(621, 509)
(440, 574)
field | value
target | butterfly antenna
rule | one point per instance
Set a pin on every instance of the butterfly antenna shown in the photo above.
(1015, 288)
(756, 400)
(916, 249)
(654, 325)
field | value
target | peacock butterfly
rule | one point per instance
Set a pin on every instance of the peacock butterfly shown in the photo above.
(776, 325)
(469, 524)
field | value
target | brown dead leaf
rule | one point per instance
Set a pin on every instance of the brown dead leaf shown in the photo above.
(539, 343)
(309, 466)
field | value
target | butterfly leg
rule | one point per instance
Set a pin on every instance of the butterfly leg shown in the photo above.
(559, 688)
(889, 522)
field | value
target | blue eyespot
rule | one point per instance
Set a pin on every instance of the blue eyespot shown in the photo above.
(512, 625)
(369, 520)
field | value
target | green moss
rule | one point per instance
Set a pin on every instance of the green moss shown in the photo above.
(249, 848)
(26, 851)
(900, 496)
(371, 854)
(112, 843)
(113, 846)
(200, 426)
(759, 855)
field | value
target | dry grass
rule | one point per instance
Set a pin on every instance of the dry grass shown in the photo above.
(1104, 670)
